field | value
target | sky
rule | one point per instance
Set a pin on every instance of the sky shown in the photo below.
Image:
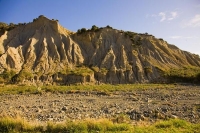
(176, 21)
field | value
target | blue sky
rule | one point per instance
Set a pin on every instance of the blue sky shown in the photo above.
(176, 21)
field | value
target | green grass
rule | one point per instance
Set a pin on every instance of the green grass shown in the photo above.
(10, 125)
(79, 71)
(185, 74)
(170, 126)
(106, 88)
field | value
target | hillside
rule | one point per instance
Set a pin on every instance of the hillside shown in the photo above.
(45, 52)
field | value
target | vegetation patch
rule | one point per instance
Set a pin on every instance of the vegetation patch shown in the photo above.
(10, 125)
(7, 27)
(6, 76)
(24, 74)
(186, 74)
(107, 88)
(170, 126)
(81, 71)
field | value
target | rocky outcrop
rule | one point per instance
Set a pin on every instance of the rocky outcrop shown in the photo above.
(44, 48)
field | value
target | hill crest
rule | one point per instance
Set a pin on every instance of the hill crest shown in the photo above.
(44, 51)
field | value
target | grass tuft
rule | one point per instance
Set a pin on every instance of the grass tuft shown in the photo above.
(10, 125)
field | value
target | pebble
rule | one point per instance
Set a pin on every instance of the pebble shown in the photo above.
(137, 105)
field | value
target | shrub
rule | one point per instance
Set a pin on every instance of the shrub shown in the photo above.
(83, 30)
(148, 70)
(108, 26)
(79, 31)
(138, 42)
(7, 75)
(41, 16)
(94, 28)
(5, 27)
(185, 74)
(24, 74)
(2, 25)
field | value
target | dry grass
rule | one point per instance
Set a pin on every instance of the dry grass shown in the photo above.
(105, 88)
(10, 125)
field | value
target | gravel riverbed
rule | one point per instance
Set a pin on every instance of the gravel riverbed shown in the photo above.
(138, 105)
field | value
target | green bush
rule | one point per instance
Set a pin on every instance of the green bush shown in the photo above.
(108, 26)
(94, 28)
(24, 74)
(7, 75)
(187, 74)
(5, 27)
(83, 30)
(79, 31)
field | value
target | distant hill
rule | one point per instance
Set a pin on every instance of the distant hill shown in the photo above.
(45, 52)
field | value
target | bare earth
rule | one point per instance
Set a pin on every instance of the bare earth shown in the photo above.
(148, 105)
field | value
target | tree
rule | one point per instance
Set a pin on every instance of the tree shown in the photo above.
(79, 31)
(108, 26)
(41, 16)
(94, 28)
(83, 30)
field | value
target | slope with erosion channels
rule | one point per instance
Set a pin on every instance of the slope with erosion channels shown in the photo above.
(44, 51)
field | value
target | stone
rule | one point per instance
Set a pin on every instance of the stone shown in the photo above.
(64, 108)
(174, 116)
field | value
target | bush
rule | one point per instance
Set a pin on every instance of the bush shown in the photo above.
(83, 30)
(7, 75)
(94, 28)
(24, 74)
(108, 26)
(2, 25)
(41, 16)
(79, 31)
(186, 74)
(148, 70)
(5, 27)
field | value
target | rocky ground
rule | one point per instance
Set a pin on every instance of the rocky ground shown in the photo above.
(139, 105)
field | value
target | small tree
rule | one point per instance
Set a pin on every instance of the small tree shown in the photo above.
(7, 75)
(41, 16)
(83, 30)
(108, 26)
(94, 28)
(79, 31)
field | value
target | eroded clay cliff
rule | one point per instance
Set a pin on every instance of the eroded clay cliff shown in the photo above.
(44, 51)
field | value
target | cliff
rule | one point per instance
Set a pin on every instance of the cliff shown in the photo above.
(44, 51)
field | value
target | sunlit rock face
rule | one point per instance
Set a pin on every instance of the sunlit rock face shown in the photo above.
(44, 51)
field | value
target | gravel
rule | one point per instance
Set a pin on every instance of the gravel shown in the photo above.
(138, 105)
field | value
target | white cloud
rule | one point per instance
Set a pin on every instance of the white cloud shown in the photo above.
(173, 15)
(175, 37)
(194, 22)
(184, 37)
(166, 16)
(191, 37)
(163, 16)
